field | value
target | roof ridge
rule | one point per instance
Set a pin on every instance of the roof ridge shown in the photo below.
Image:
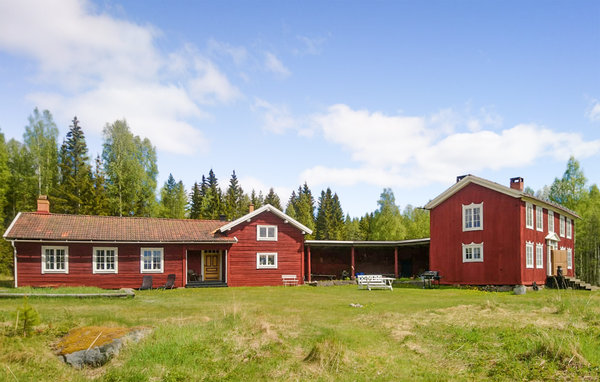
(122, 217)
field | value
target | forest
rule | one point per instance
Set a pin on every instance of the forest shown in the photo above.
(122, 181)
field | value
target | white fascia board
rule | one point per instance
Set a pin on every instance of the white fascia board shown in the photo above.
(267, 208)
(550, 207)
(468, 180)
(11, 225)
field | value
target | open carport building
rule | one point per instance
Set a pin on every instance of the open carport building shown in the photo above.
(336, 258)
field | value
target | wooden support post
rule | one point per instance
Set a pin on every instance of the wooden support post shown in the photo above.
(396, 262)
(184, 267)
(302, 265)
(309, 270)
(352, 263)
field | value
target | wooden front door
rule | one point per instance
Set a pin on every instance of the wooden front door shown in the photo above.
(212, 265)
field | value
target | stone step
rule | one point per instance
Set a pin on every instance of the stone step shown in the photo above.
(206, 284)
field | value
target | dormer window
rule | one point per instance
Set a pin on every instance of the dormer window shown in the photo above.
(266, 232)
(473, 217)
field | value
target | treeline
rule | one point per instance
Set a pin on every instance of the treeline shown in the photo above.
(122, 181)
(573, 192)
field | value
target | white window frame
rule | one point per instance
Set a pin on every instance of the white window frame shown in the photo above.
(569, 258)
(471, 207)
(528, 215)
(266, 238)
(539, 218)
(550, 221)
(529, 254)
(472, 247)
(569, 228)
(539, 256)
(95, 260)
(162, 260)
(52, 247)
(561, 220)
(266, 255)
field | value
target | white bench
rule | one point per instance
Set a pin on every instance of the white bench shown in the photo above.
(289, 280)
(374, 282)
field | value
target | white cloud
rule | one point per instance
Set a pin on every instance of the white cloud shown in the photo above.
(311, 46)
(238, 54)
(594, 111)
(276, 118)
(407, 151)
(104, 68)
(273, 64)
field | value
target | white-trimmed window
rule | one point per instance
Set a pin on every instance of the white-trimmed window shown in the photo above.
(569, 228)
(152, 260)
(266, 232)
(529, 215)
(529, 254)
(472, 217)
(569, 258)
(550, 221)
(539, 255)
(55, 259)
(106, 260)
(472, 252)
(266, 260)
(562, 225)
(539, 218)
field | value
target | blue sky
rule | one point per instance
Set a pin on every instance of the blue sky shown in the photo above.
(356, 96)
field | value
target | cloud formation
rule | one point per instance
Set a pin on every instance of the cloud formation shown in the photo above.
(407, 151)
(104, 68)
(273, 64)
(594, 112)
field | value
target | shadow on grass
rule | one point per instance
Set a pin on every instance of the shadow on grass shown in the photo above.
(6, 281)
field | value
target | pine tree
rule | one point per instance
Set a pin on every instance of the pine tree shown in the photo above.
(173, 199)
(74, 190)
(273, 199)
(234, 199)
(195, 202)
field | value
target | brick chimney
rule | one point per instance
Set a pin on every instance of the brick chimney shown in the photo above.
(517, 183)
(251, 208)
(43, 205)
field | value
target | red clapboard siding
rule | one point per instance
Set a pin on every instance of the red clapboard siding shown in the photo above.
(241, 259)
(500, 237)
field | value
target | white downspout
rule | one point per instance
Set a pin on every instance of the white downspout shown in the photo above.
(12, 242)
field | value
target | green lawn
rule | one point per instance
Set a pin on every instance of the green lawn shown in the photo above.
(311, 333)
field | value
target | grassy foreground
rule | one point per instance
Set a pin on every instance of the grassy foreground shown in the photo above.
(308, 333)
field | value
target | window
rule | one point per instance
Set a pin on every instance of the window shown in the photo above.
(529, 215)
(569, 229)
(266, 232)
(152, 260)
(472, 252)
(266, 261)
(529, 255)
(550, 221)
(55, 260)
(105, 260)
(562, 225)
(473, 217)
(539, 218)
(539, 255)
(569, 258)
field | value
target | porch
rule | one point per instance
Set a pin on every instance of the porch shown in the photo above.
(331, 259)
(206, 267)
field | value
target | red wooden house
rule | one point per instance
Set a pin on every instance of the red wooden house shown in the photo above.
(115, 252)
(485, 233)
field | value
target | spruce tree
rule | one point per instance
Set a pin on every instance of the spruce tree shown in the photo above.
(257, 200)
(74, 191)
(234, 199)
(172, 199)
(195, 202)
(99, 203)
(273, 199)
(330, 217)
(212, 206)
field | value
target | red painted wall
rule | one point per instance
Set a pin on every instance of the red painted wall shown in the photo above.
(500, 237)
(241, 259)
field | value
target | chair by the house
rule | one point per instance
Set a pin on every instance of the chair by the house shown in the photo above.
(170, 282)
(146, 282)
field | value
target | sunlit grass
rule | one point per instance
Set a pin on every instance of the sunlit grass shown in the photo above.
(312, 333)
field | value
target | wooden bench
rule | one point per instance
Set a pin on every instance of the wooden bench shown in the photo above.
(374, 282)
(289, 280)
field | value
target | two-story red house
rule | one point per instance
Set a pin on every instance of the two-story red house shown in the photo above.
(115, 252)
(485, 233)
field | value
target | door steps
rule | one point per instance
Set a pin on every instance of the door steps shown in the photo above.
(575, 283)
(206, 284)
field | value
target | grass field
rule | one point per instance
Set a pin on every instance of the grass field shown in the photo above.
(312, 333)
